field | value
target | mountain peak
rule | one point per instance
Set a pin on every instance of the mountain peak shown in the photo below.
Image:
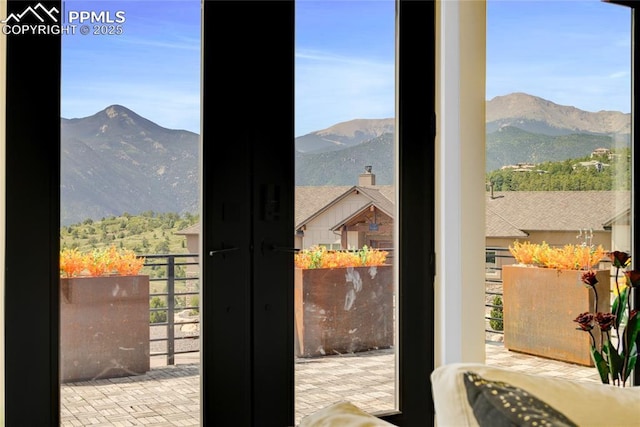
(115, 109)
(371, 127)
(519, 107)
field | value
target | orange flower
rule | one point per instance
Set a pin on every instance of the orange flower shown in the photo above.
(71, 262)
(100, 262)
(320, 257)
(568, 257)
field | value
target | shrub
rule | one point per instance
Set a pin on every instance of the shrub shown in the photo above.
(159, 316)
(496, 313)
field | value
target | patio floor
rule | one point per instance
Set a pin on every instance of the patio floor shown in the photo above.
(170, 395)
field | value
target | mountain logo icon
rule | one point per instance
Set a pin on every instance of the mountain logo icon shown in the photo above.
(39, 12)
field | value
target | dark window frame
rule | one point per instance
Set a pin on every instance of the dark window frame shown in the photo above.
(33, 221)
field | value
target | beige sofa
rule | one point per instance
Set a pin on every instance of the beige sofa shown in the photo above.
(582, 403)
(505, 397)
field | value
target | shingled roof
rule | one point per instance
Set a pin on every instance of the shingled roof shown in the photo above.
(509, 214)
(513, 213)
(313, 201)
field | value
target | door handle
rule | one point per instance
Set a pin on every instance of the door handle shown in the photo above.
(264, 246)
(222, 251)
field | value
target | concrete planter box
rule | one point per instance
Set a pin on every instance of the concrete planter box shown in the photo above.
(540, 305)
(104, 327)
(343, 310)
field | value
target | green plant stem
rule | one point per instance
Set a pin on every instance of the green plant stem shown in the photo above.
(626, 349)
(617, 322)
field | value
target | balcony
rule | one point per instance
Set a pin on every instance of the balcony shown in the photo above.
(169, 394)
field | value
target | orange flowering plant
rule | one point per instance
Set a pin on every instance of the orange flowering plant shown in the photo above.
(100, 262)
(614, 361)
(568, 257)
(320, 257)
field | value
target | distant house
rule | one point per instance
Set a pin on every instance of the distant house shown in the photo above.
(598, 165)
(341, 217)
(557, 218)
(345, 217)
(601, 152)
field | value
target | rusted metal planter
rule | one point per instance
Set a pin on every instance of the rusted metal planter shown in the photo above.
(343, 310)
(104, 327)
(539, 308)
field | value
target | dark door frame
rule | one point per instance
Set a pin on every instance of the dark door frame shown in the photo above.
(32, 395)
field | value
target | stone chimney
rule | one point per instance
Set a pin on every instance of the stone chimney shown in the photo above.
(367, 178)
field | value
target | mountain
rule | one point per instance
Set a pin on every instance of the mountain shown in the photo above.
(344, 135)
(537, 115)
(342, 167)
(520, 128)
(116, 161)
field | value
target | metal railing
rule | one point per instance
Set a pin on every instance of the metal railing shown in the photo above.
(496, 257)
(173, 269)
(176, 271)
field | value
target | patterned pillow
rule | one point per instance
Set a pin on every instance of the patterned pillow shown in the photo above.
(498, 404)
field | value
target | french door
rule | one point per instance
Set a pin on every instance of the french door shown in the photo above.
(247, 218)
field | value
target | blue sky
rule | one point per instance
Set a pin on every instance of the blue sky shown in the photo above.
(153, 68)
(571, 52)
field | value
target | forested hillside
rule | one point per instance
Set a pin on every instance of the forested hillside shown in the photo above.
(580, 174)
(148, 233)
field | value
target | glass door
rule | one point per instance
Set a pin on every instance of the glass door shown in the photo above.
(345, 286)
(129, 211)
(247, 371)
(558, 169)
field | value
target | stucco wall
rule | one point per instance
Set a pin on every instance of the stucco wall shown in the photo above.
(318, 230)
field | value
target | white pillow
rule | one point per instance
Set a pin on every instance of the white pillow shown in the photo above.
(342, 414)
(585, 403)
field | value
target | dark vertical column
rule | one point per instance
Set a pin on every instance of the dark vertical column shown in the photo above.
(416, 151)
(273, 210)
(32, 227)
(247, 157)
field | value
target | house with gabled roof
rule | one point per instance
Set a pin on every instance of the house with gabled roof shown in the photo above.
(345, 217)
(557, 218)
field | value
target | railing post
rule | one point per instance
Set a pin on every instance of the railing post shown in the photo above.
(171, 302)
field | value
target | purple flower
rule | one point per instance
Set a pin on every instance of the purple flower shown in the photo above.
(589, 278)
(585, 320)
(605, 321)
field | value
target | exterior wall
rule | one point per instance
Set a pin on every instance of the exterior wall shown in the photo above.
(193, 247)
(621, 238)
(318, 230)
